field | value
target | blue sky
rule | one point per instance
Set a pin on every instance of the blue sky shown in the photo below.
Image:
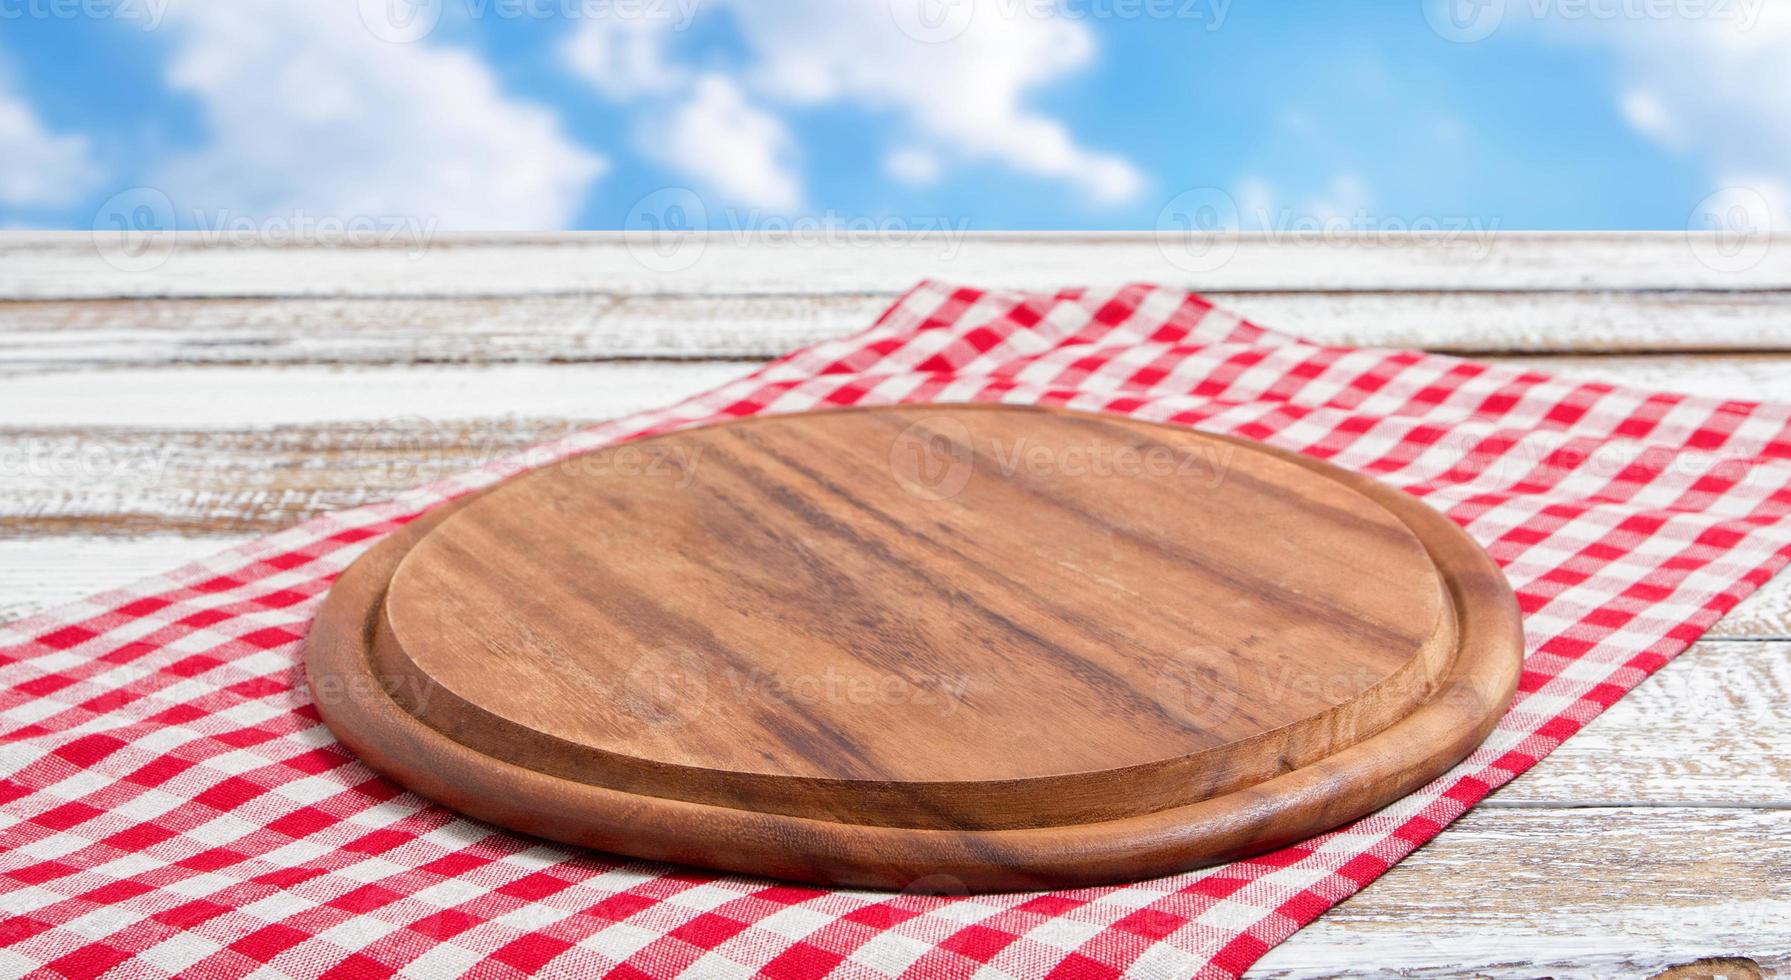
(1026, 114)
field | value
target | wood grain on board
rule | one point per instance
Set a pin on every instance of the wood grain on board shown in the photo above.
(493, 344)
(1018, 647)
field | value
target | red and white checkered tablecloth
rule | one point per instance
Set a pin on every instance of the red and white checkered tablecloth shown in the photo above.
(171, 805)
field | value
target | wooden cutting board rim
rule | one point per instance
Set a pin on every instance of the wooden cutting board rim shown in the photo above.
(1289, 806)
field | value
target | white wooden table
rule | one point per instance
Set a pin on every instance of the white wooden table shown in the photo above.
(148, 417)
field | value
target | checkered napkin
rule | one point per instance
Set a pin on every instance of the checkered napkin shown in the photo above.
(170, 803)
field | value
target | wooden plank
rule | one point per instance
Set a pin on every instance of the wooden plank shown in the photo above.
(126, 483)
(251, 450)
(756, 260)
(262, 396)
(233, 450)
(61, 334)
(1750, 377)
(269, 394)
(1564, 893)
(1709, 729)
(1765, 614)
(42, 571)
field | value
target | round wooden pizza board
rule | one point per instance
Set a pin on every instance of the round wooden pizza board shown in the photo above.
(969, 647)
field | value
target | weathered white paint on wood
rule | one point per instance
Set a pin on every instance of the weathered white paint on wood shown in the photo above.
(39, 572)
(72, 266)
(67, 334)
(1709, 729)
(127, 482)
(1766, 613)
(1749, 377)
(376, 331)
(1615, 892)
(260, 396)
(236, 396)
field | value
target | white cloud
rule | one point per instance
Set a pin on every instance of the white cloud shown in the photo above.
(624, 57)
(40, 169)
(734, 148)
(912, 165)
(1711, 80)
(310, 113)
(1649, 115)
(968, 92)
(964, 96)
